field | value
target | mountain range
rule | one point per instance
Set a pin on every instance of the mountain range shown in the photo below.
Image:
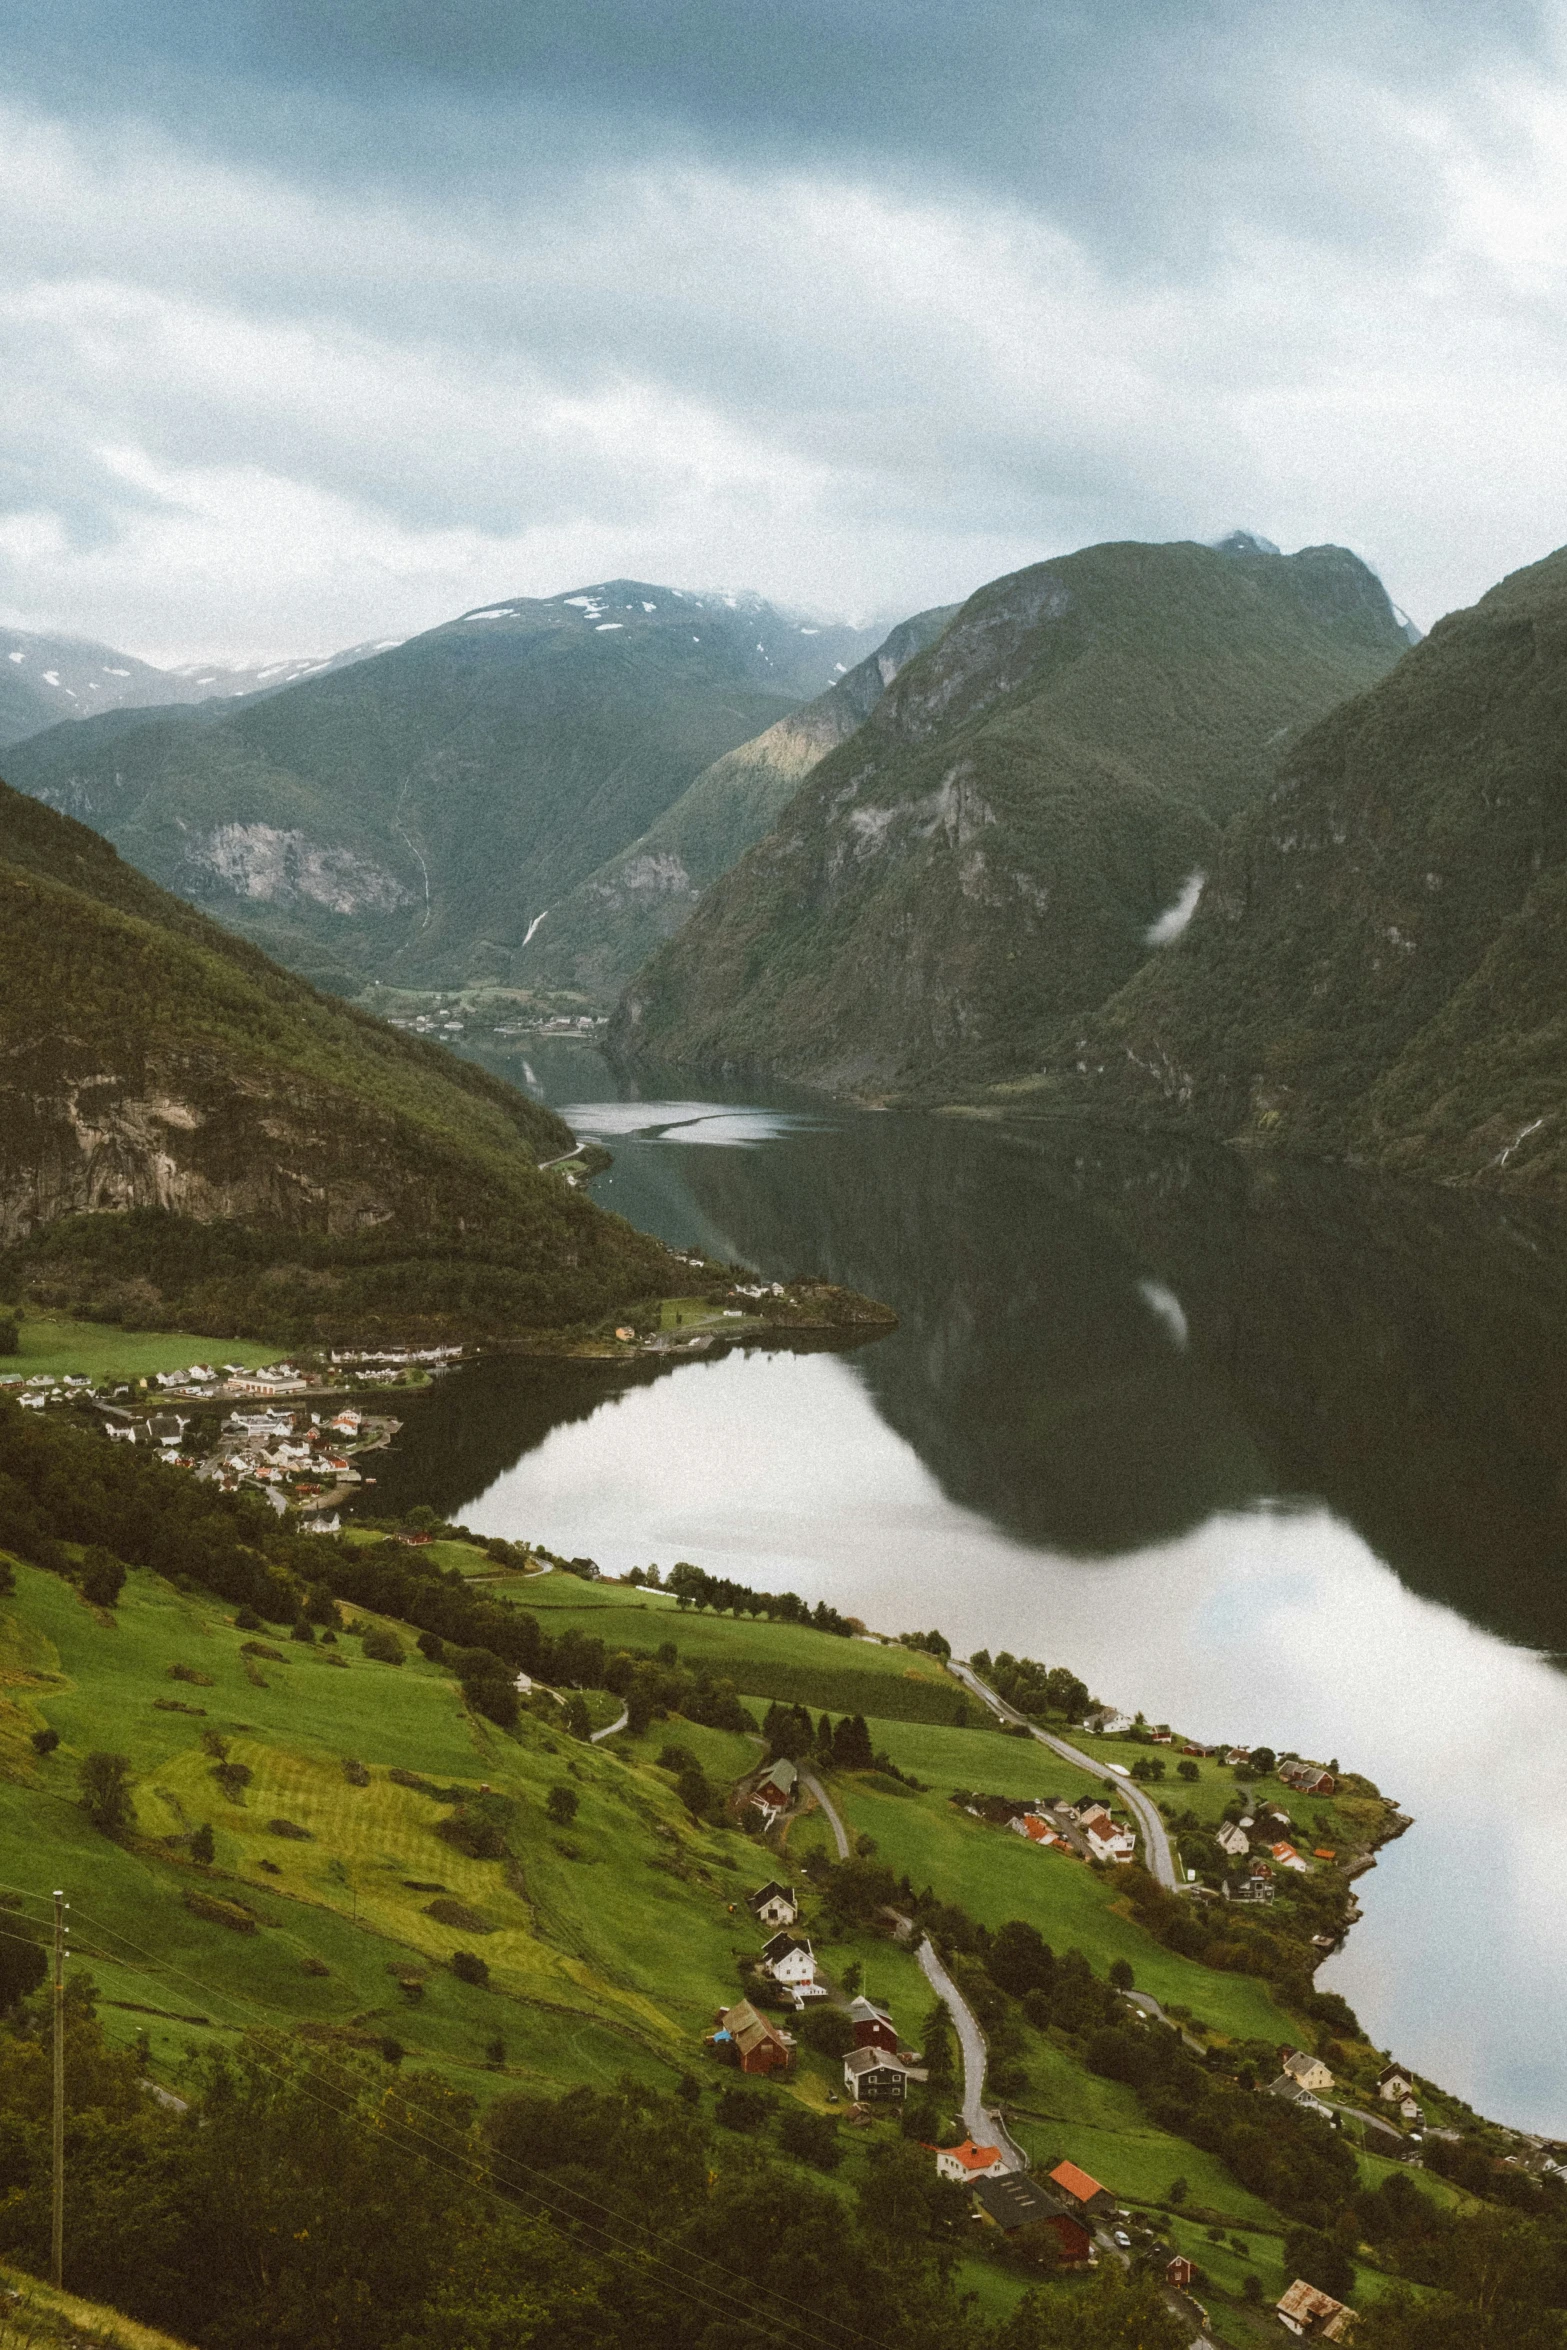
(409, 816)
(1026, 811)
(45, 680)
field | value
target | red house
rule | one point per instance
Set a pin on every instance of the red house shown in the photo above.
(873, 2027)
(1179, 2272)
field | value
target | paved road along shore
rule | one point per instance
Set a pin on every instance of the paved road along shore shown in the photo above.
(1157, 1856)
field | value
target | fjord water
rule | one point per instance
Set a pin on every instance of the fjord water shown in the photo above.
(1275, 1452)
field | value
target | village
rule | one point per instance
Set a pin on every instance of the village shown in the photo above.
(255, 1427)
(1064, 2218)
(1068, 2221)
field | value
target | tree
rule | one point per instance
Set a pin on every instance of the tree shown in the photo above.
(851, 1745)
(105, 1781)
(469, 1967)
(201, 1844)
(810, 2137)
(45, 1741)
(1188, 1769)
(1118, 2312)
(1262, 1760)
(1315, 2257)
(561, 1805)
(577, 1718)
(827, 2030)
(101, 1577)
(382, 1647)
(10, 1333)
(1121, 1974)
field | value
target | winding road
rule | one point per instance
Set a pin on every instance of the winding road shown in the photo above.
(983, 2126)
(809, 1780)
(1158, 1857)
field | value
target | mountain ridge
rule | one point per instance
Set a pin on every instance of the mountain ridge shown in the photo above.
(1376, 968)
(990, 850)
(407, 816)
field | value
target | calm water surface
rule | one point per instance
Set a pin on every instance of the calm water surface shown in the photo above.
(1277, 1453)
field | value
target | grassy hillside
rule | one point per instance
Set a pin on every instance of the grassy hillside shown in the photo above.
(1376, 968)
(989, 852)
(605, 928)
(290, 1165)
(341, 1886)
(406, 817)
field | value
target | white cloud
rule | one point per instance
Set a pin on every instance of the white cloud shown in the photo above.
(247, 415)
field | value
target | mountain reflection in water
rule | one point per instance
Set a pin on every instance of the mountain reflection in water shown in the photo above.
(1272, 1449)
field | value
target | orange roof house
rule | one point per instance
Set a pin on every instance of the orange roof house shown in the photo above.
(1081, 2189)
(968, 2162)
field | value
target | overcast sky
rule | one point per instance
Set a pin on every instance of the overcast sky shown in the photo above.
(324, 319)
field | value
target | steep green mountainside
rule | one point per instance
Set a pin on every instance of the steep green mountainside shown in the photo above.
(1378, 967)
(988, 853)
(340, 1170)
(407, 817)
(605, 928)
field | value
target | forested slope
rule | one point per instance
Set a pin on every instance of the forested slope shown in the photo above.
(988, 852)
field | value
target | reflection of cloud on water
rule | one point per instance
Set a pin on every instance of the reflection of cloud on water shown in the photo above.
(737, 1125)
(1276, 1623)
(1167, 1307)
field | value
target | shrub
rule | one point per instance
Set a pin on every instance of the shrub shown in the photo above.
(274, 1656)
(473, 1832)
(355, 1772)
(202, 1847)
(561, 1804)
(448, 1912)
(45, 1741)
(314, 1966)
(810, 2137)
(247, 1620)
(291, 1829)
(189, 1673)
(233, 1778)
(742, 2109)
(469, 1967)
(304, 1630)
(383, 1647)
(220, 1912)
(214, 1743)
(106, 1791)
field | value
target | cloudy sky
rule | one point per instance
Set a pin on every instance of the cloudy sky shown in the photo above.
(324, 319)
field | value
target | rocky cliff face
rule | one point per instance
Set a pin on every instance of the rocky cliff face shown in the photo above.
(993, 847)
(1378, 965)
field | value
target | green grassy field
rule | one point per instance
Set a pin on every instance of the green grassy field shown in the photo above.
(788, 1662)
(586, 1982)
(102, 1350)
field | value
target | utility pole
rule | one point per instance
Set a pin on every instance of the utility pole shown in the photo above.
(57, 2232)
